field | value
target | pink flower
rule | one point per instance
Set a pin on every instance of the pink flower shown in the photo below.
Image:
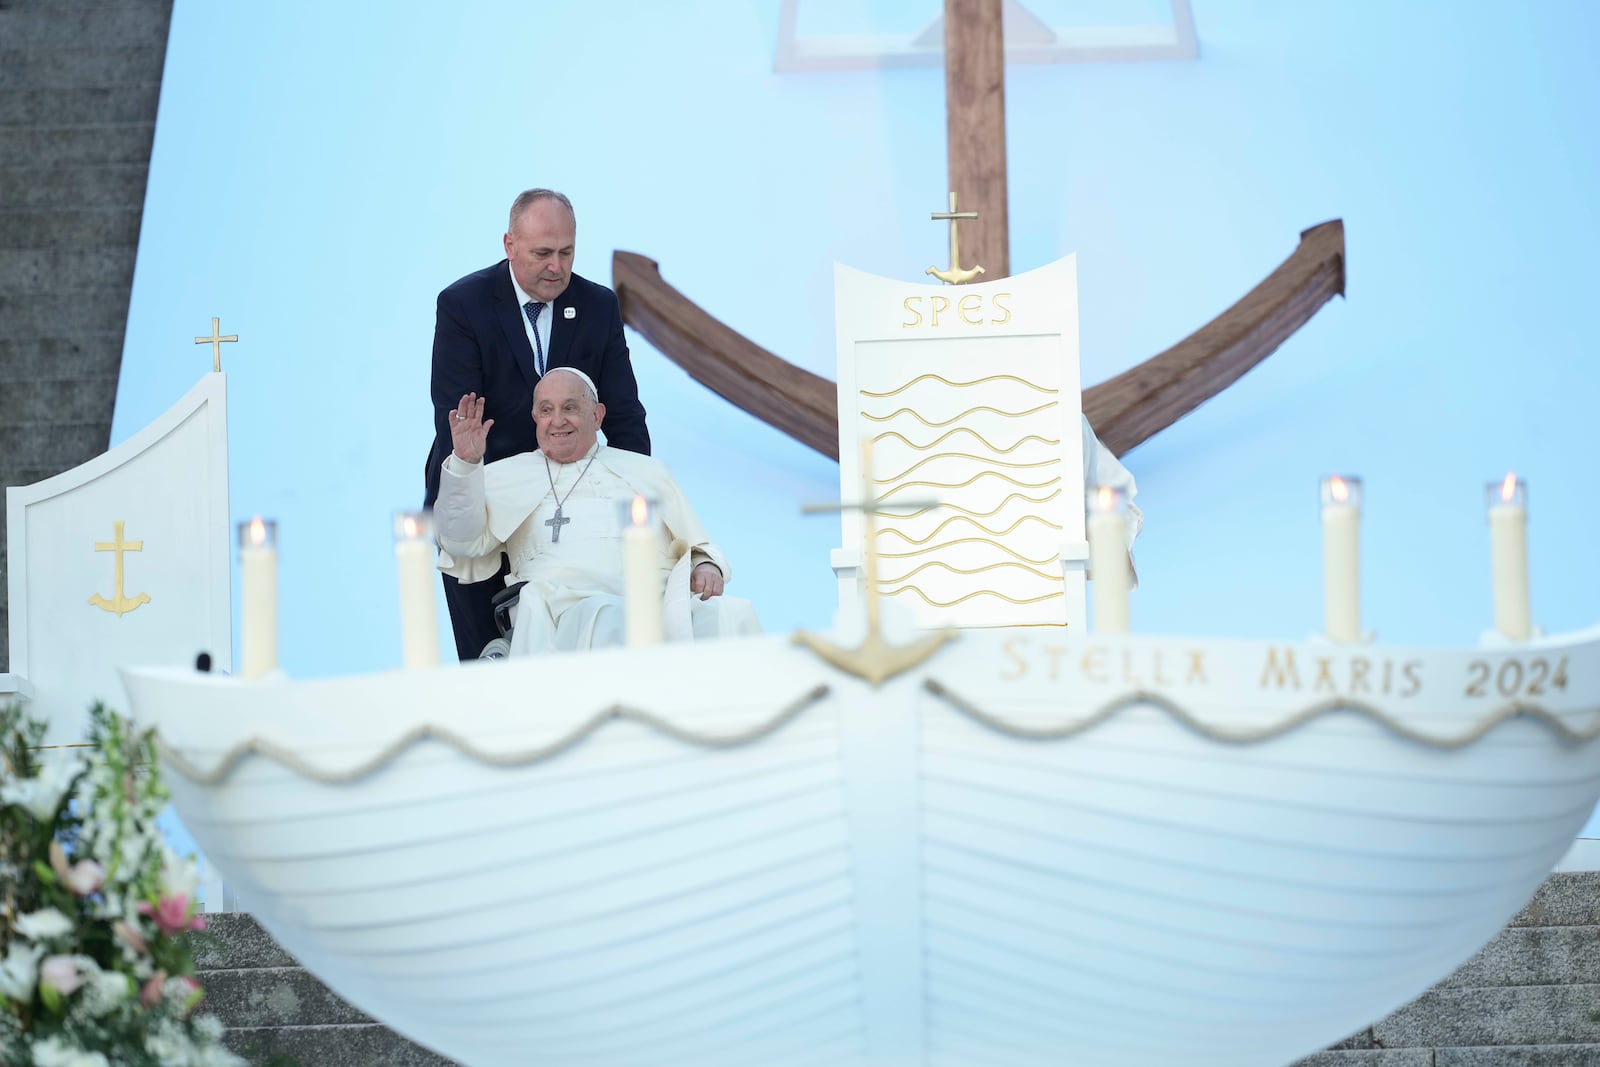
(150, 992)
(61, 973)
(82, 878)
(172, 915)
(130, 937)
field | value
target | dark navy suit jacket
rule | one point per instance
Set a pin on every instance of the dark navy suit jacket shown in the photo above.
(480, 346)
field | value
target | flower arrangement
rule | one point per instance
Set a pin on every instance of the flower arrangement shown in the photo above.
(95, 965)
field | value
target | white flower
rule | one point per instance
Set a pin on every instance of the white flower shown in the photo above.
(42, 795)
(179, 877)
(19, 972)
(53, 1052)
(66, 974)
(104, 992)
(43, 925)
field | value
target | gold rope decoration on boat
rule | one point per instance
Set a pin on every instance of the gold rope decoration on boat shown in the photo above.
(615, 713)
(1506, 713)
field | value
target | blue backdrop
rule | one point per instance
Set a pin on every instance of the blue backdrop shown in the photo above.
(320, 171)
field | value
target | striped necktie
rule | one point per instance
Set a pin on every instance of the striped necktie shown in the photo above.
(533, 308)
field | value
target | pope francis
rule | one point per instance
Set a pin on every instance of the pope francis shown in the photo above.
(558, 514)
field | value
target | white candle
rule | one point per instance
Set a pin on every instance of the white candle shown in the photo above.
(1108, 559)
(641, 571)
(413, 557)
(258, 583)
(1341, 557)
(1508, 554)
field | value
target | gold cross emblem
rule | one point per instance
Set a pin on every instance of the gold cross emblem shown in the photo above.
(118, 604)
(215, 341)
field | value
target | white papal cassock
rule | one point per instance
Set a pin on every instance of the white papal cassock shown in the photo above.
(574, 595)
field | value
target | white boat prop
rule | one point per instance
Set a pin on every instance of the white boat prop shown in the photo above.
(1030, 847)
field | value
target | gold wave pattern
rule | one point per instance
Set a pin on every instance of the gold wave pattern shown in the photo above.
(963, 385)
(981, 592)
(885, 435)
(971, 522)
(961, 455)
(984, 514)
(958, 416)
(962, 485)
(971, 540)
(975, 570)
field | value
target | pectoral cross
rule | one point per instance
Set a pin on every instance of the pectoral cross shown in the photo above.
(118, 604)
(555, 523)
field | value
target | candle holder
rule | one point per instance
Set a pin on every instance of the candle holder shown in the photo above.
(1109, 571)
(641, 570)
(1507, 504)
(258, 586)
(419, 619)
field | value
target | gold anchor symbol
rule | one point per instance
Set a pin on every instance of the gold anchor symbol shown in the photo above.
(119, 604)
(955, 275)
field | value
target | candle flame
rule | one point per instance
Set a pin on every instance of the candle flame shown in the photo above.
(258, 531)
(411, 527)
(640, 510)
(1105, 498)
(1338, 488)
(1508, 488)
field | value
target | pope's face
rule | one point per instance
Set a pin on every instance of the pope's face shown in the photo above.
(539, 246)
(564, 417)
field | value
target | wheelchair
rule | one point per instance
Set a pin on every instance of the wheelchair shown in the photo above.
(504, 603)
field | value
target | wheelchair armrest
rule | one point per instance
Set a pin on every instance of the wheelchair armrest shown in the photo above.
(502, 603)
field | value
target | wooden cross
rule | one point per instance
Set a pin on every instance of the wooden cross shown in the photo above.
(975, 124)
(215, 341)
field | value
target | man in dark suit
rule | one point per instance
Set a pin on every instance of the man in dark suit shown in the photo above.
(497, 332)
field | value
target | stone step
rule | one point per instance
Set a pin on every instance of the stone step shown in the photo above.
(108, 228)
(31, 315)
(100, 185)
(1518, 1056)
(1571, 898)
(125, 23)
(1370, 1057)
(237, 942)
(1505, 1015)
(1534, 955)
(75, 400)
(65, 356)
(61, 107)
(63, 270)
(80, 67)
(53, 447)
(51, 146)
(355, 1045)
(264, 997)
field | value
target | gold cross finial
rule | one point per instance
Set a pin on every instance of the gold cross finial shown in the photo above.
(955, 275)
(216, 339)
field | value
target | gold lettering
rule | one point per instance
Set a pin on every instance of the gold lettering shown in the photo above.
(974, 304)
(1278, 674)
(1388, 676)
(1411, 675)
(1359, 666)
(914, 312)
(1128, 677)
(1055, 652)
(939, 304)
(1012, 648)
(1159, 678)
(1002, 320)
(1197, 668)
(1094, 666)
(1325, 674)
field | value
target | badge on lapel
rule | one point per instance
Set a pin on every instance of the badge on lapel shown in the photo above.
(569, 312)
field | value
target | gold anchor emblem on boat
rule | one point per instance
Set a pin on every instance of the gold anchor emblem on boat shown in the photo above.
(118, 604)
(954, 275)
(875, 659)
